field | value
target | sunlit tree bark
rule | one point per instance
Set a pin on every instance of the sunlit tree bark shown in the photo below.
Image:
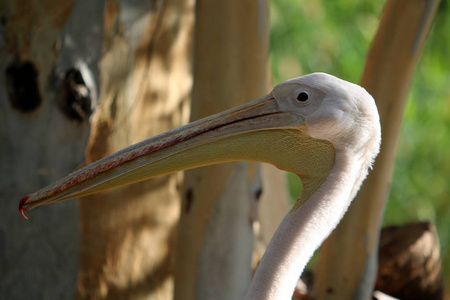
(128, 242)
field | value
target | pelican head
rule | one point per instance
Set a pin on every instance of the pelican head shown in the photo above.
(298, 127)
(337, 111)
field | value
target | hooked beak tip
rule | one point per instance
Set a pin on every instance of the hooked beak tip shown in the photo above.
(21, 208)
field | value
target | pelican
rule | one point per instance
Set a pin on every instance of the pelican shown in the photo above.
(324, 129)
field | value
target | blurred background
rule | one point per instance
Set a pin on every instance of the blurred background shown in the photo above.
(339, 33)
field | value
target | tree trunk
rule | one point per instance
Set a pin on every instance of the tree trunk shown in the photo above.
(215, 234)
(52, 55)
(127, 249)
(49, 82)
(347, 266)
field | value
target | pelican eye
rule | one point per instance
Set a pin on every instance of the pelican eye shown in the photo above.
(303, 97)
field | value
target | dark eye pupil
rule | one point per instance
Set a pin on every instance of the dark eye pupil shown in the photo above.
(303, 96)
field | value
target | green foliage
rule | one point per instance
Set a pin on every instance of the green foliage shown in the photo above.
(333, 37)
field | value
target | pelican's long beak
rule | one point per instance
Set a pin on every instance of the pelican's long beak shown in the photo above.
(247, 132)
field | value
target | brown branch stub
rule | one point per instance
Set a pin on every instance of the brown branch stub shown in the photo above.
(409, 263)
